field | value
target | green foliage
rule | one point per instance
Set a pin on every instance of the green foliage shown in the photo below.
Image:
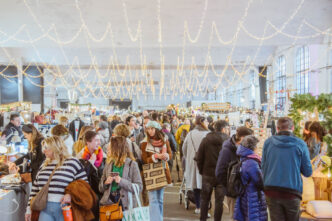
(308, 103)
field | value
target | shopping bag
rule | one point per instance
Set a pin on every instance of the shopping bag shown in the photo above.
(139, 213)
(154, 175)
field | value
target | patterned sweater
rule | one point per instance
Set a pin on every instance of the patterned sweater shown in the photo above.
(70, 171)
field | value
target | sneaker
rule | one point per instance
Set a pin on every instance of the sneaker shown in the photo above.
(209, 215)
(197, 211)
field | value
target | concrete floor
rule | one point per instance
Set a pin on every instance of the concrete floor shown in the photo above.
(173, 210)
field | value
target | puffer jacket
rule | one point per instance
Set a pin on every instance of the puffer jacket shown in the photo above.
(251, 205)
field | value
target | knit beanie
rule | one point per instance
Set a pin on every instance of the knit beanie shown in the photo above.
(153, 124)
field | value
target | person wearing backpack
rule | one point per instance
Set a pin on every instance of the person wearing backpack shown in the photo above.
(227, 155)
(206, 159)
(251, 204)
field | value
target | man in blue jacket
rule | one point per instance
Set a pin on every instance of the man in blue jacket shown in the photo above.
(285, 158)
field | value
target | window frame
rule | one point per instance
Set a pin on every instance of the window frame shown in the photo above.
(302, 65)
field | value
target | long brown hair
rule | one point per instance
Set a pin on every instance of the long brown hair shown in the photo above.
(159, 135)
(80, 143)
(36, 137)
(306, 136)
(119, 151)
(320, 131)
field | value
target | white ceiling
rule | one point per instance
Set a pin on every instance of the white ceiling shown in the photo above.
(64, 29)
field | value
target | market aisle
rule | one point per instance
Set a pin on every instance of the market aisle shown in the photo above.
(174, 211)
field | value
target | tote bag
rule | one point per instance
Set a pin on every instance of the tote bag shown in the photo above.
(139, 213)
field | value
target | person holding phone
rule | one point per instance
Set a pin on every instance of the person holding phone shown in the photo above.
(120, 172)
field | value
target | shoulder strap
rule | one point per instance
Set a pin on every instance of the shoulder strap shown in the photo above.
(50, 178)
(134, 151)
(191, 137)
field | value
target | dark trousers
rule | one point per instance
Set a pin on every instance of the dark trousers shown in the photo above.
(284, 209)
(208, 184)
(197, 196)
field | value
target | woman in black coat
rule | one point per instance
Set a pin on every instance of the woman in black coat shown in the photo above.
(35, 154)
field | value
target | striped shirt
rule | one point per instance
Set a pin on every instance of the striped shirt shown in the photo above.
(70, 171)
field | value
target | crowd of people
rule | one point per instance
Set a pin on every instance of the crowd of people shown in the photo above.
(108, 156)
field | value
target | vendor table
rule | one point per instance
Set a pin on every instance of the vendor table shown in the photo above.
(306, 217)
(13, 203)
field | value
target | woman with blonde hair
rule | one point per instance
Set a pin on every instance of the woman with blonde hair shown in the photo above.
(120, 172)
(35, 154)
(62, 169)
(80, 144)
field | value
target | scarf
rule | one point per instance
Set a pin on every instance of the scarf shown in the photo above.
(99, 153)
(157, 143)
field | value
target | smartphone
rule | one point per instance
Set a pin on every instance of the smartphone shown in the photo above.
(114, 174)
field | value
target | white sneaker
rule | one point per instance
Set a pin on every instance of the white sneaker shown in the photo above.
(209, 215)
(197, 211)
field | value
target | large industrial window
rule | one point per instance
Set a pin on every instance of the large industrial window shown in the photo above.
(302, 70)
(281, 82)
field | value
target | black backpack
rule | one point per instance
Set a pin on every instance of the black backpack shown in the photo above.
(235, 187)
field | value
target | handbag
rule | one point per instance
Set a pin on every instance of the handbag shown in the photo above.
(26, 177)
(139, 213)
(39, 202)
(154, 175)
(111, 212)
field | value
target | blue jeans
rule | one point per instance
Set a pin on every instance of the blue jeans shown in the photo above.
(52, 212)
(156, 207)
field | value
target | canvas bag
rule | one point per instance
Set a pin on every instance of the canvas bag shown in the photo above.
(139, 213)
(154, 175)
(39, 202)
